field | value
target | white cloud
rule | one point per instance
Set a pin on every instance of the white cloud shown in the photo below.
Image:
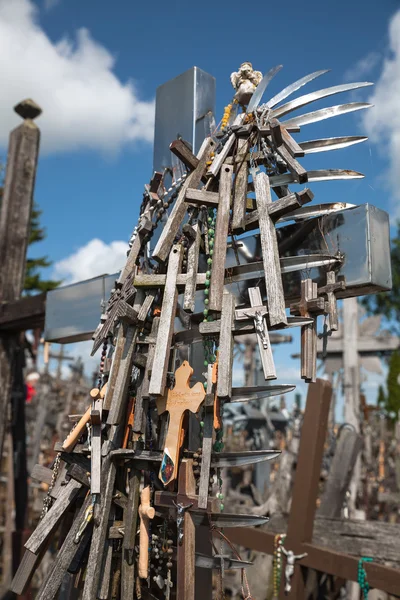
(84, 103)
(93, 259)
(363, 67)
(382, 122)
(50, 4)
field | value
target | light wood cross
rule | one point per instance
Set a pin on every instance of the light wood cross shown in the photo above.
(329, 289)
(146, 512)
(178, 400)
(257, 312)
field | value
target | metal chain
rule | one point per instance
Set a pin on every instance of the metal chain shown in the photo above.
(48, 500)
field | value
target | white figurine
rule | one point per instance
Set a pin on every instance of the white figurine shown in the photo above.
(291, 558)
(245, 82)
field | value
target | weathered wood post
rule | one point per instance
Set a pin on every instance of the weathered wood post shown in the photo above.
(16, 207)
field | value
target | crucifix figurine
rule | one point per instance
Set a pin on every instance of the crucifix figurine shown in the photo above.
(257, 312)
(291, 558)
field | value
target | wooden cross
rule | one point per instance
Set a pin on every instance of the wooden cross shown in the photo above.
(329, 289)
(186, 497)
(178, 400)
(309, 305)
(299, 536)
(257, 312)
(146, 512)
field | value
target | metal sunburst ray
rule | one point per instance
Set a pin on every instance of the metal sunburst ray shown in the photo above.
(293, 87)
(325, 113)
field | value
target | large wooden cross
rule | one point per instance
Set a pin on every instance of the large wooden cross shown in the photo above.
(303, 509)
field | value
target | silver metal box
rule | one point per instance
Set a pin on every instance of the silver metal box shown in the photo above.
(185, 106)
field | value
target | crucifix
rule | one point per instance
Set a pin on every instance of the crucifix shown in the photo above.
(177, 401)
(308, 306)
(257, 312)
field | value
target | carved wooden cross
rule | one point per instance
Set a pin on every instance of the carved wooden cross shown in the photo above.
(309, 306)
(146, 512)
(329, 289)
(257, 312)
(178, 400)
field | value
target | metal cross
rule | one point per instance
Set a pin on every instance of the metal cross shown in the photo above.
(181, 508)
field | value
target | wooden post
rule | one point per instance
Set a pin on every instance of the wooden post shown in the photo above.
(16, 208)
(186, 551)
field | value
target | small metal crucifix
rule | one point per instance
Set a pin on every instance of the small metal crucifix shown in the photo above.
(257, 312)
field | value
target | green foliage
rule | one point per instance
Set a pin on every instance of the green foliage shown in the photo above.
(381, 397)
(388, 303)
(392, 403)
(33, 279)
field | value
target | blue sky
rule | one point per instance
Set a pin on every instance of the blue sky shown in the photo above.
(94, 67)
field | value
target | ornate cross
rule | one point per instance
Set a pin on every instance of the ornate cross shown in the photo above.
(118, 307)
(257, 312)
(178, 400)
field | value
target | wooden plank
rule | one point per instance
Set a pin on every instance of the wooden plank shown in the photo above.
(185, 155)
(94, 565)
(224, 383)
(192, 268)
(128, 544)
(240, 188)
(116, 360)
(290, 143)
(270, 253)
(106, 575)
(26, 313)
(220, 242)
(297, 170)
(202, 198)
(166, 327)
(54, 577)
(41, 473)
(185, 585)
(347, 450)
(53, 516)
(175, 219)
(157, 281)
(207, 445)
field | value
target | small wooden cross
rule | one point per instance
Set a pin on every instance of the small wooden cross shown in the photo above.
(146, 512)
(309, 306)
(178, 400)
(257, 312)
(329, 289)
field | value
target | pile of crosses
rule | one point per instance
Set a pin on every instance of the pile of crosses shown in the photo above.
(140, 473)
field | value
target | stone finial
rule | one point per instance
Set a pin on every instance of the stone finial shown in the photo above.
(28, 109)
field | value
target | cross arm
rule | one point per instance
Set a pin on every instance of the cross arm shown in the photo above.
(167, 500)
(27, 313)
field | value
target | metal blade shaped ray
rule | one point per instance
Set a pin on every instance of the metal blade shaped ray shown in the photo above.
(226, 519)
(262, 390)
(293, 87)
(214, 562)
(321, 175)
(334, 143)
(241, 459)
(314, 96)
(325, 113)
(315, 211)
(260, 89)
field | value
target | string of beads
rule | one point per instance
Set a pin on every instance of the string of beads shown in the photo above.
(362, 576)
(277, 562)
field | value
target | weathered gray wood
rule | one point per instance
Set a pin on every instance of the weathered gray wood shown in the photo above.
(266, 355)
(240, 189)
(207, 447)
(106, 575)
(309, 301)
(290, 143)
(224, 383)
(130, 530)
(54, 577)
(95, 442)
(150, 359)
(175, 219)
(202, 197)
(94, 565)
(157, 281)
(219, 158)
(41, 473)
(220, 242)
(166, 327)
(270, 252)
(347, 450)
(192, 268)
(25, 572)
(53, 517)
(116, 360)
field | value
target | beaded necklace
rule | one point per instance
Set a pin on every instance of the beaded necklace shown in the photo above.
(277, 562)
(362, 576)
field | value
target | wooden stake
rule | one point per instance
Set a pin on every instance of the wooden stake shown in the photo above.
(166, 327)
(192, 268)
(224, 384)
(186, 550)
(270, 253)
(241, 179)
(220, 243)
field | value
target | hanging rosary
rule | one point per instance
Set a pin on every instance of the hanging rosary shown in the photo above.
(277, 562)
(362, 576)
